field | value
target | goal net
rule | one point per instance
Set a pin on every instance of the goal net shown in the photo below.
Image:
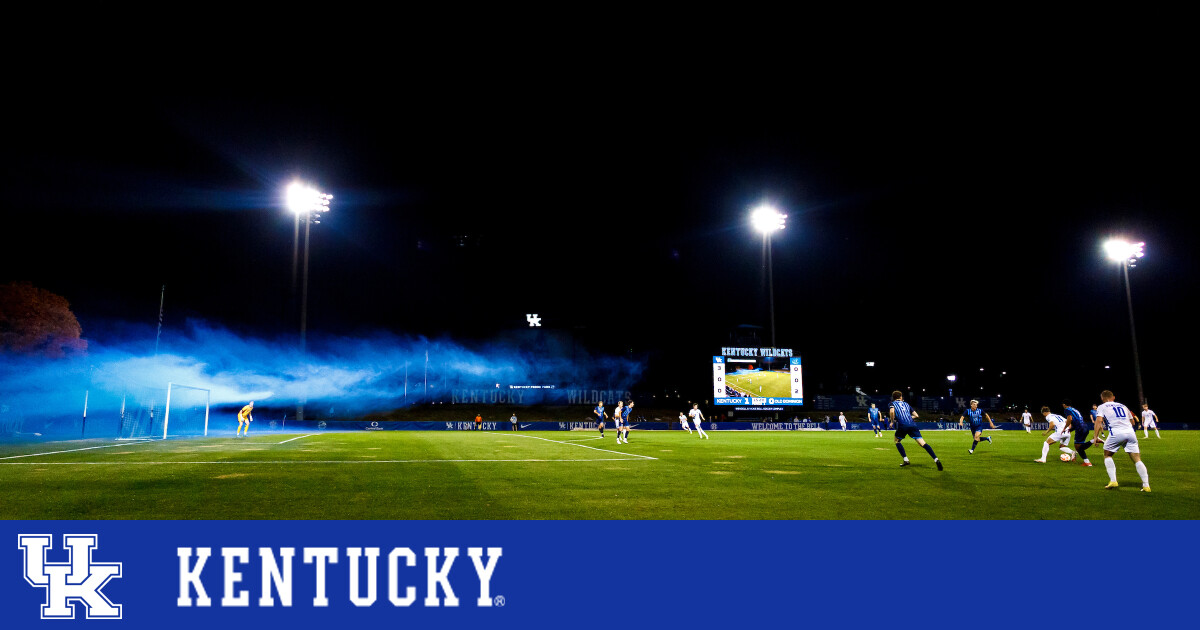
(141, 411)
(185, 411)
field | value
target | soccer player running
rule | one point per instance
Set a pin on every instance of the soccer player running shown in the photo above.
(625, 419)
(697, 417)
(1027, 420)
(1149, 421)
(1080, 428)
(683, 422)
(1058, 427)
(244, 419)
(619, 418)
(903, 417)
(977, 416)
(1120, 435)
(600, 416)
(842, 420)
(873, 416)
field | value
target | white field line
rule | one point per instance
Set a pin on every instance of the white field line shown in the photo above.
(602, 450)
(72, 450)
(298, 437)
(323, 461)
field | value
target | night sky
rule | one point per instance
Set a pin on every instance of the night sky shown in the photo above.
(934, 228)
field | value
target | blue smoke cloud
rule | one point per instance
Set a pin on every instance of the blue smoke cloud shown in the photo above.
(355, 375)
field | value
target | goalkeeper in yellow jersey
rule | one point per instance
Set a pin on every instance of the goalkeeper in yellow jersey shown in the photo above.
(244, 418)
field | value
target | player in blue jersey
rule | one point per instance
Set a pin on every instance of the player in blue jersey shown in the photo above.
(903, 418)
(873, 416)
(625, 420)
(1080, 428)
(600, 416)
(976, 416)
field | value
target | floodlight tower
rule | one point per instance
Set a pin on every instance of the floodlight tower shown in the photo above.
(768, 220)
(308, 202)
(1126, 253)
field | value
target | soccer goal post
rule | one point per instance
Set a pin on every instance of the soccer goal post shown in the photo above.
(186, 410)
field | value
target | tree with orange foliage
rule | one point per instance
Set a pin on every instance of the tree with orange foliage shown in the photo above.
(35, 321)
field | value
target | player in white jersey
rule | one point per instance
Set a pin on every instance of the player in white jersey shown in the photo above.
(842, 420)
(1120, 435)
(1058, 433)
(617, 414)
(683, 423)
(1027, 420)
(1149, 421)
(697, 417)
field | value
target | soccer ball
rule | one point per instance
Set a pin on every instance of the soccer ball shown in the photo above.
(1065, 457)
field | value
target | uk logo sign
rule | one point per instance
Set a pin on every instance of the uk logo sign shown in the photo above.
(533, 319)
(77, 581)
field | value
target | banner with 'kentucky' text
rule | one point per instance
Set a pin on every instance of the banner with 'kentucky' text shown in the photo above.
(558, 574)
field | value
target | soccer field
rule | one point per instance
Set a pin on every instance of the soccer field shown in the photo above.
(772, 384)
(576, 475)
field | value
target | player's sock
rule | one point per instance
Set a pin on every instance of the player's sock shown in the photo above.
(1111, 468)
(1141, 469)
(929, 449)
(1145, 433)
(1045, 449)
(900, 447)
(1066, 450)
(974, 444)
(1156, 434)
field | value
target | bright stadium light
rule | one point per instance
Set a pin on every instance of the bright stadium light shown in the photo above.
(951, 378)
(306, 201)
(1127, 254)
(767, 219)
(1120, 250)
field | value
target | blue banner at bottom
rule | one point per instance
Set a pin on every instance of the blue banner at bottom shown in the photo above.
(541, 574)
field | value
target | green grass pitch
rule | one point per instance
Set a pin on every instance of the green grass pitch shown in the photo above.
(773, 384)
(575, 475)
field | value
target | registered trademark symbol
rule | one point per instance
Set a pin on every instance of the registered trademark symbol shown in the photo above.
(499, 600)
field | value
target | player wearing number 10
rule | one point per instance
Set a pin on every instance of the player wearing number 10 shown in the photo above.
(901, 415)
(1120, 435)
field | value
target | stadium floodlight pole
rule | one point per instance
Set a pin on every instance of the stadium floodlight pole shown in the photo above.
(307, 201)
(1127, 254)
(767, 219)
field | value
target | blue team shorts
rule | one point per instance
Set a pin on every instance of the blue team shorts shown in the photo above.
(1081, 436)
(976, 428)
(912, 432)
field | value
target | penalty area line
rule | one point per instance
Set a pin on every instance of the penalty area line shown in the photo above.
(602, 450)
(73, 450)
(324, 461)
(297, 438)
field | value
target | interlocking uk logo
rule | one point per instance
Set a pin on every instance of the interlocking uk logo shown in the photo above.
(533, 319)
(79, 580)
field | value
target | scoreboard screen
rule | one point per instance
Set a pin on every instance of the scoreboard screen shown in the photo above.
(768, 379)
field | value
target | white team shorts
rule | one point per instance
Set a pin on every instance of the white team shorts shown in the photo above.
(1150, 424)
(1025, 422)
(684, 424)
(1061, 436)
(1128, 441)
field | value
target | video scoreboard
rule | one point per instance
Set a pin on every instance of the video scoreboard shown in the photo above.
(757, 377)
